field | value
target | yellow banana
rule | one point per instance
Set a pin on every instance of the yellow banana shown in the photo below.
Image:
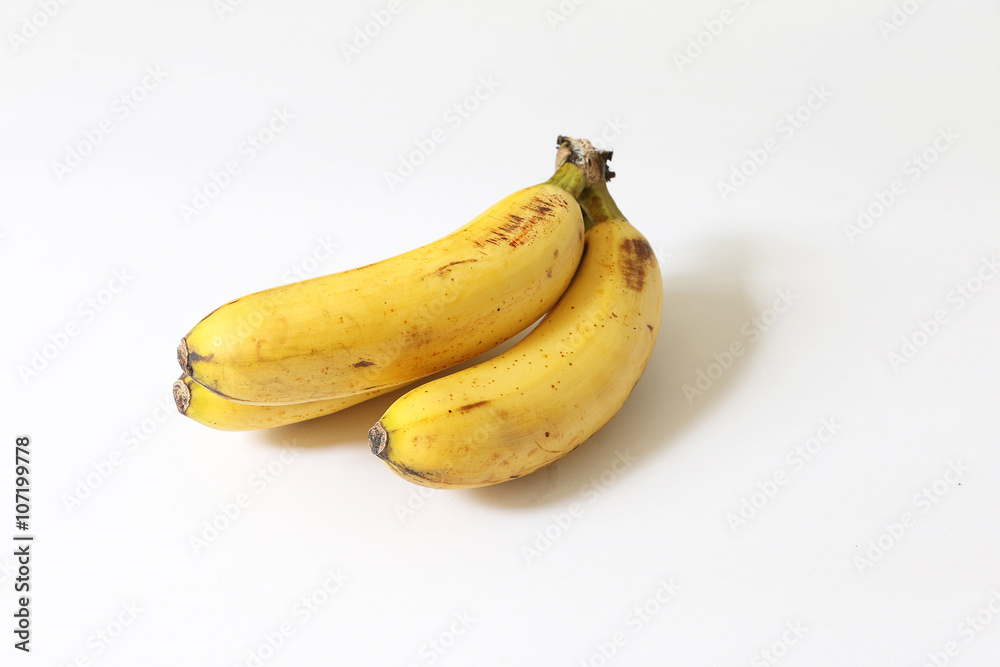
(527, 407)
(208, 408)
(403, 318)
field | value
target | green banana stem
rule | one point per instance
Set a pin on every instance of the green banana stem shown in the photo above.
(578, 165)
(570, 178)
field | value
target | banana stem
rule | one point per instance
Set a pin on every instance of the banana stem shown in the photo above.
(594, 198)
(583, 154)
(570, 178)
(596, 201)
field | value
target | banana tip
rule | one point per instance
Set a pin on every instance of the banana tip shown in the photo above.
(183, 356)
(182, 396)
(583, 154)
(378, 438)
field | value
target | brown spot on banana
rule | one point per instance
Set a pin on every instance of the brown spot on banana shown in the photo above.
(448, 266)
(186, 357)
(637, 258)
(540, 207)
(407, 472)
(363, 363)
(471, 406)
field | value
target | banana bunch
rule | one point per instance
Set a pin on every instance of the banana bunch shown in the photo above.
(561, 249)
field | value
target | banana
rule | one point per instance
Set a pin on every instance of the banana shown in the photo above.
(208, 408)
(405, 317)
(534, 403)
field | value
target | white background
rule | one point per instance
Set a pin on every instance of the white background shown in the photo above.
(688, 531)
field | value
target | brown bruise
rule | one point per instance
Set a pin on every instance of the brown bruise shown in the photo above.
(447, 267)
(405, 471)
(517, 231)
(637, 258)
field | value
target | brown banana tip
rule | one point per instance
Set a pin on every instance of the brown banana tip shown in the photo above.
(583, 154)
(605, 156)
(182, 357)
(378, 438)
(563, 154)
(182, 396)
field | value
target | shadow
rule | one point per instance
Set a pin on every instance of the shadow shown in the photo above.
(347, 427)
(703, 314)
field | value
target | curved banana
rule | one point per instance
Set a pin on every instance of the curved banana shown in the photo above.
(208, 408)
(400, 319)
(527, 407)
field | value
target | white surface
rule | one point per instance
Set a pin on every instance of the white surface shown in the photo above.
(457, 572)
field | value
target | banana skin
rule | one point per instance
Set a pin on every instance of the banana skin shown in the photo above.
(208, 408)
(401, 319)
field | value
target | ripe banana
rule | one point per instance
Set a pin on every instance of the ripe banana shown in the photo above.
(527, 407)
(403, 318)
(208, 408)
